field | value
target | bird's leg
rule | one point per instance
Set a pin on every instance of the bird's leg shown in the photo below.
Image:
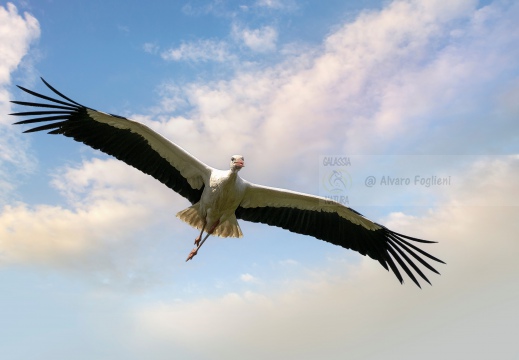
(197, 240)
(195, 250)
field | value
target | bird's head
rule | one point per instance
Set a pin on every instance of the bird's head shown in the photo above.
(237, 162)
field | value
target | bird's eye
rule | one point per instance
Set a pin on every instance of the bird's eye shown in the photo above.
(232, 159)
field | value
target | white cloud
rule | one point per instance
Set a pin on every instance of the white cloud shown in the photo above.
(106, 209)
(201, 50)
(258, 40)
(276, 4)
(375, 80)
(151, 48)
(270, 3)
(288, 262)
(16, 34)
(368, 314)
(248, 278)
(214, 7)
(123, 29)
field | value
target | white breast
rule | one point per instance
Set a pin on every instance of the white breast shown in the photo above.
(223, 195)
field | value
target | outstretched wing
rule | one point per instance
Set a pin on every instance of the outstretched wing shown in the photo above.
(127, 140)
(335, 223)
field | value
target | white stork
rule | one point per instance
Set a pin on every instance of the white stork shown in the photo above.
(221, 197)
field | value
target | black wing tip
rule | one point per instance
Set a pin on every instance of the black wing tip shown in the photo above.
(42, 79)
(60, 111)
(398, 247)
(27, 90)
(34, 93)
(400, 237)
(409, 237)
(23, 89)
(46, 83)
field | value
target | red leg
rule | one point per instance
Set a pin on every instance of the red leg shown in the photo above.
(200, 243)
(197, 240)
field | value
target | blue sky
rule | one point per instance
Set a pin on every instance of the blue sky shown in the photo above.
(92, 256)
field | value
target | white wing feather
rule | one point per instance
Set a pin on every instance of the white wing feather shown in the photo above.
(195, 171)
(263, 196)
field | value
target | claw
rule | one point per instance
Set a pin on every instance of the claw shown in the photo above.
(192, 254)
(197, 241)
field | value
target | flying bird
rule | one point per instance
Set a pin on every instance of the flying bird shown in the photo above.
(220, 197)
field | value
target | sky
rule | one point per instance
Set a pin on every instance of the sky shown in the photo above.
(405, 92)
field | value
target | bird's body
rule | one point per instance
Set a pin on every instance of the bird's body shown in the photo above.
(220, 197)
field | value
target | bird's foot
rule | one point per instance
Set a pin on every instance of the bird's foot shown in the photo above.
(197, 241)
(192, 254)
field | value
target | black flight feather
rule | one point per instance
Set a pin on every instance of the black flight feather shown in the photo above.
(71, 119)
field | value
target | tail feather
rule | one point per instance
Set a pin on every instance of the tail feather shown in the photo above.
(228, 228)
(191, 216)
